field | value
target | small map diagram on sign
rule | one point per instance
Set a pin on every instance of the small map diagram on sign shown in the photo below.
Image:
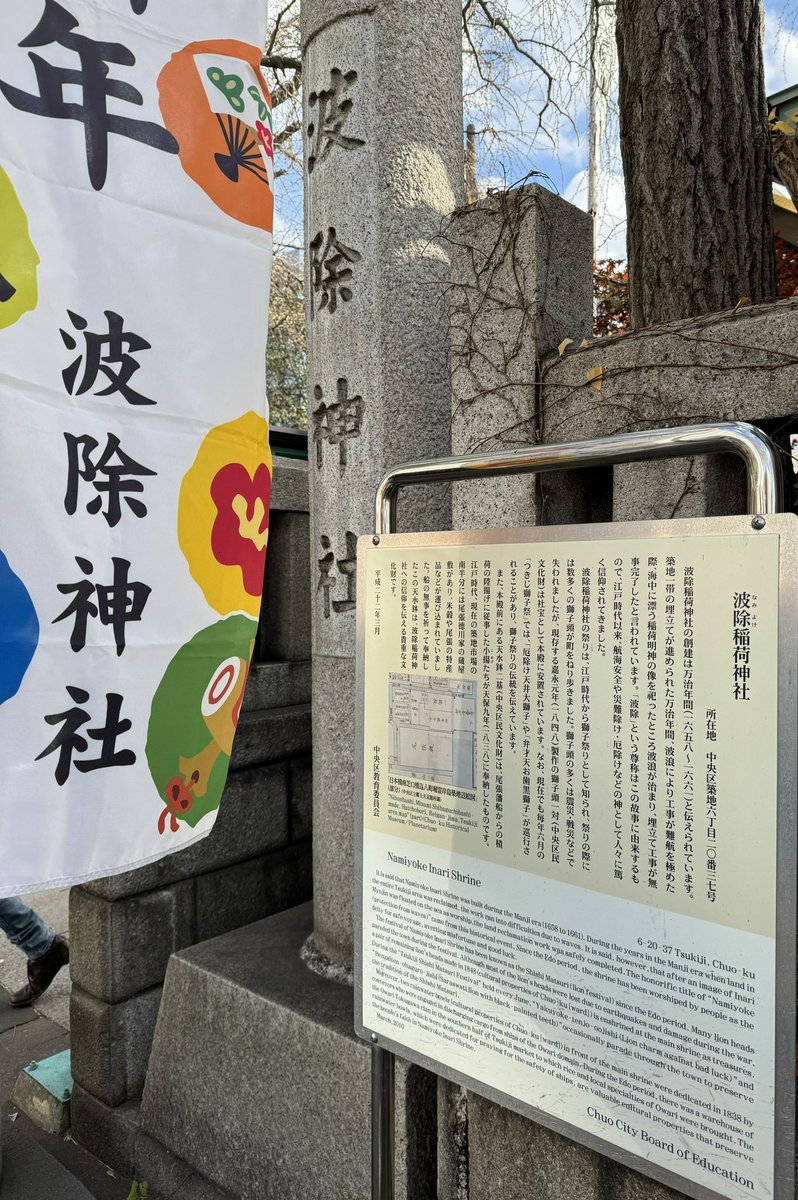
(432, 728)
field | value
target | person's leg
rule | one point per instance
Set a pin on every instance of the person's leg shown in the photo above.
(24, 928)
(47, 952)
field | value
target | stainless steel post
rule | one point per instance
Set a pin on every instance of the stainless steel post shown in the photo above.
(382, 1124)
(764, 472)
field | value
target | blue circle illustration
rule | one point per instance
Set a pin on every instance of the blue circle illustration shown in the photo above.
(19, 630)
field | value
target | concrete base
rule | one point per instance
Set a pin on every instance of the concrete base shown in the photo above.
(257, 1082)
(43, 1092)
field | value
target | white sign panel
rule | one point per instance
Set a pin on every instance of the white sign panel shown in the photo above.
(572, 831)
(136, 210)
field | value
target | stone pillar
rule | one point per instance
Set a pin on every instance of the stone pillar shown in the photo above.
(521, 283)
(384, 166)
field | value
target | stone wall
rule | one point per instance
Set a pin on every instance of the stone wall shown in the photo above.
(257, 860)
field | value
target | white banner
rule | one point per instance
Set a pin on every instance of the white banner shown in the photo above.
(136, 206)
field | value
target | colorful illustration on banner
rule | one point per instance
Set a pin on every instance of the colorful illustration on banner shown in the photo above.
(193, 720)
(19, 630)
(216, 103)
(223, 514)
(19, 260)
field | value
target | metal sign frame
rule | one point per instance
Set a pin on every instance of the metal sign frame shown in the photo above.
(764, 475)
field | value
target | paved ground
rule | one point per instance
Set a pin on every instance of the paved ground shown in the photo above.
(37, 1165)
(54, 908)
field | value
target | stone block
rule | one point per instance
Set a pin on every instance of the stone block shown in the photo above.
(452, 1141)
(43, 1092)
(253, 819)
(264, 737)
(300, 791)
(289, 485)
(521, 282)
(111, 1044)
(252, 890)
(511, 1158)
(285, 615)
(722, 367)
(168, 1176)
(277, 685)
(107, 1133)
(258, 1083)
(121, 947)
(333, 807)
(624, 1184)
(678, 488)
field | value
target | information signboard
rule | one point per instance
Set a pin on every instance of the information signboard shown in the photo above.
(577, 878)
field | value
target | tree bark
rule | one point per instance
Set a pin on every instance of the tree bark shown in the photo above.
(696, 156)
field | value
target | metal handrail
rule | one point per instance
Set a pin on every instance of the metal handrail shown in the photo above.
(727, 437)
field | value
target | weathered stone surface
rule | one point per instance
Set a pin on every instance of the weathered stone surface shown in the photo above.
(623, 1184)
(511, 1158)
(251, 890)
(289, 485)
(728, 366)
(168, 1175)
(264, 737)
(111, 1044)
(253, 819)
(724, 367)
(379, 391)
(258, 1083)
(277, 684)
(452, 1141)
(43, 1091)
(285, 615)
(108, 1133)
(521, 282)
(333, 812)
(300, 791)
(122, 947)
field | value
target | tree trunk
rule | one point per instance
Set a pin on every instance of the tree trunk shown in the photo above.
(696, 156)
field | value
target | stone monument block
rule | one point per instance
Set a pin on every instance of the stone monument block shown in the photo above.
(521, 282)
(258, 1083)
(111, 1043)
(511, 1158)
(120, 948)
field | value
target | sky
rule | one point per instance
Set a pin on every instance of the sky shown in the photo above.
(567, 165)
(560, 159)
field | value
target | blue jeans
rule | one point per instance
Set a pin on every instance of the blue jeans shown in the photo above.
(24, 928)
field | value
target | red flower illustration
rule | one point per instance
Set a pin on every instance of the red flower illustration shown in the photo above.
(265, 138)
(240, 530)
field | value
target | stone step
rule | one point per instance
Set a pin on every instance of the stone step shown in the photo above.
(258, 1083)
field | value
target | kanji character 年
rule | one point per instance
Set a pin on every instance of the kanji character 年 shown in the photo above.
(58, 27)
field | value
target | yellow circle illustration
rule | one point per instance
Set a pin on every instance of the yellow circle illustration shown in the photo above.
(18, 258)
(223, 514)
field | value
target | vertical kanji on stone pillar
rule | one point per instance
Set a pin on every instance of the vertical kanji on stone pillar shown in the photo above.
(384, 166)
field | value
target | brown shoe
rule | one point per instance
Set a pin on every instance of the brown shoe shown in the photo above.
(41, 973)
